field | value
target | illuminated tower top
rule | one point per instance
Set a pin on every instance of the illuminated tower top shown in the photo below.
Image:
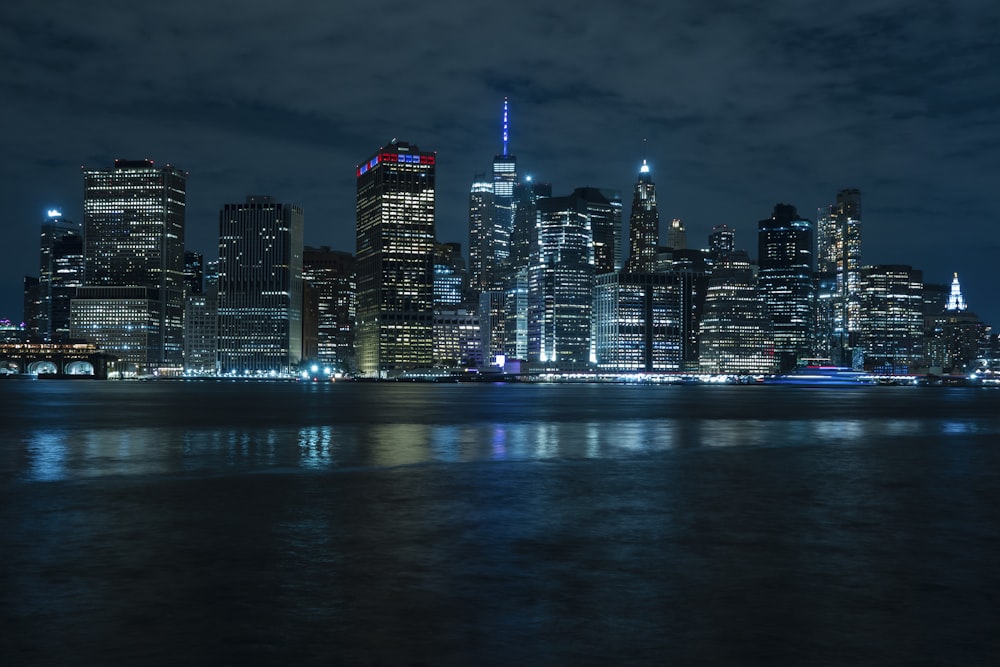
(956, 302)
(506, 135)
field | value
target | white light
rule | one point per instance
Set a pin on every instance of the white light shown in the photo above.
(54, 213)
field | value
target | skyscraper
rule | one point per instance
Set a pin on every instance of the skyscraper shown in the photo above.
(676, 235)
(643, 224)
(60, 273)
(785, 282)
(395, 255)
(891, 325)
(838, 264)
(333, 274)
(482, 242)
(560, 283)
(260, 287)
(736, 333)
(722, 239)
(604, 208)
(133, 231)
(504, 180)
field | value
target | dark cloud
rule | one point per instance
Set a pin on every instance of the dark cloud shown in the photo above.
(740, 104)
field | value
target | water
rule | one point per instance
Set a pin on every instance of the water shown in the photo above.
(398, 524)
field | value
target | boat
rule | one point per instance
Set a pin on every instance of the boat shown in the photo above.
(816, 373)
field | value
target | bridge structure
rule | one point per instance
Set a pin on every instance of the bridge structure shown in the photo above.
(54, 360)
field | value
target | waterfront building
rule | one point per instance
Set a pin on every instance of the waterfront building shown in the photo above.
(641, 321)
(959, 332)
(457, 338)
(332, 274)
(201, 332)
(524, 241)
(395, 260)
(785, 282)
(838, 263)
(736, 337)
(133, 232)
(891, 323)
(260, 287)
(60, 274)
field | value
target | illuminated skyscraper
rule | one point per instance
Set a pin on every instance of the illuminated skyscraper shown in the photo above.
(956, 302)
(891, 326)
(785, 282)
(60, 273)
(604, 208)
(644, 224)
(736, 333)
(260, 287)
(491, 217)
(560, 283)
(722, 239)
(133, 220)
(838, 264)
(333, 276)
(395, 255)
(523, 241)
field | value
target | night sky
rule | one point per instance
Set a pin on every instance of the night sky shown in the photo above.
(742, 105)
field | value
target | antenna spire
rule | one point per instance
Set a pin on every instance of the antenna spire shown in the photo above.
(506, 135)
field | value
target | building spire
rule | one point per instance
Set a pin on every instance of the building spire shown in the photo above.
(956, 302)
(644, 169)
(506, 135)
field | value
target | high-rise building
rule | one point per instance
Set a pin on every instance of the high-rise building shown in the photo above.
(641, 322)
(735, 326)
(722, 239)
(491, 217)
(891, 323)
(676, 235)
(457, 338)
(194, 272)
(785, 282)
(560, 283)
(333, 275)
(482, 242)
(838, 264)
(201, 332)
(260, 287)
(133, 232)
(449, 275)
(60, 273)
(395, 255)
(524, 240)
(604, 208)
(644, 224)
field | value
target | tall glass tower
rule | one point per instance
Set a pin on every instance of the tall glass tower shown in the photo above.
(60, 273)
(785, 282)
(504, 180)
(838, 263)
(132, 302)
(395, 255)
(260, 287)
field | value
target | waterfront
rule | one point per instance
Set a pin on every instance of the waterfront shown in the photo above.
(208, 523)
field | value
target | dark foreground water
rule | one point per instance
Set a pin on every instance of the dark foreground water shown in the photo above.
(385, 524)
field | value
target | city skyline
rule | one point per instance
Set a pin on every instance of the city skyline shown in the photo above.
(889, 99)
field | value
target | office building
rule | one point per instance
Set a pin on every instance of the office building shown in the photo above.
(560, 284)
(722, 239)
(457, 338)
(483, 265)
(395, 255)
(133, 233)
(891, 325)
(785, 282)
(260, 288)
(838, 264)
(201, 332)
(604, 208)
(644, 224)
(676, 235)
(60, 274)
(333, 276)
(736, 337)
(641, 321)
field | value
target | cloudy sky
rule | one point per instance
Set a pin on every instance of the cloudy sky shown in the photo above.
(742, 104)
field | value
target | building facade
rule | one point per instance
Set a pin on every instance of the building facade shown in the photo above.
(395, 256)
(838, 266)
(643, 224)
(891, 325)
(260, 287)
(60, 274)
(333, 276)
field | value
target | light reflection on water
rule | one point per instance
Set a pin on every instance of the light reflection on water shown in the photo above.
(62, 454)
